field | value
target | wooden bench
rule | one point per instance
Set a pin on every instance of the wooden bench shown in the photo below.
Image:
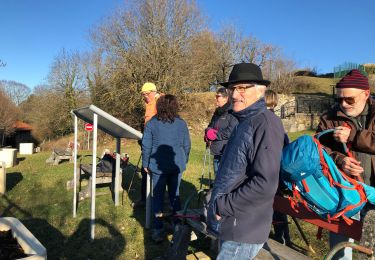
(101, 178)
(59, 155)
(270, 250)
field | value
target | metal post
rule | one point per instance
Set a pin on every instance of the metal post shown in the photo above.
(93, 176)
(148, 201)
(88, 140)
(117, 176)
(75, 153)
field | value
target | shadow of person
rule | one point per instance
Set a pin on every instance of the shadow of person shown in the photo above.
(78, 246)
(50, 237)
(164, 158)
(12, 179)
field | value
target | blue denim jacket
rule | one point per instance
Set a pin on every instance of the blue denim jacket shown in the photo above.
(166, 146)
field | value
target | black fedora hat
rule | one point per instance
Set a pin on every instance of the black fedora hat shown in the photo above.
(246, 72)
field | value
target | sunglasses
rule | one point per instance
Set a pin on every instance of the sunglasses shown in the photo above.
(348, 100)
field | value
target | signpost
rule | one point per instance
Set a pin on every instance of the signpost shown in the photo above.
(88, 128)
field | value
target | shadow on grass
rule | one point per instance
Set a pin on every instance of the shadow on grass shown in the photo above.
(13, 179)
(76, 246)
(80, 247)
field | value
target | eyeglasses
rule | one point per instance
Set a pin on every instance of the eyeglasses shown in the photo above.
(145, 94)
(348, 100)
(240, 89)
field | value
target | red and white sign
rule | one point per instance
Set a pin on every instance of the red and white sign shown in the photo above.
(88, 127)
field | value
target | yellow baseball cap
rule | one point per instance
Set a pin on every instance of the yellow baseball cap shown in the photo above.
(148, 87)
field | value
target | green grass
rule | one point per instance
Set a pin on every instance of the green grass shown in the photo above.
(314, 85)
(38, 197)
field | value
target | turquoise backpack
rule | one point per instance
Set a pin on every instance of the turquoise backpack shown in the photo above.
(316, 182)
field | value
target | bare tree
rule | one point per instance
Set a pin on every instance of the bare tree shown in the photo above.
(17, 92)
(66, 81)
(148, 41)
(229, 50)
(2, 64)
(8, 114)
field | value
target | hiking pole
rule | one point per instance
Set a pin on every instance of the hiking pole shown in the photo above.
(203, 169)
(204, 165)
(131, 181)
(303, 235)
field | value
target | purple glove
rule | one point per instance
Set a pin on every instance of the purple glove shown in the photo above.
(211, 134)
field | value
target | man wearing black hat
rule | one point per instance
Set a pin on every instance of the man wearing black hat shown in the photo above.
(353, 119)
(240, 210)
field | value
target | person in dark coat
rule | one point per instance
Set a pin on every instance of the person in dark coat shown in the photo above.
(165, 153)
(220, 127)
(241, 206)
(280, 220)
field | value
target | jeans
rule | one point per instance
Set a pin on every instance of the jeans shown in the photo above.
(216, 163)
(159, 183)
(231, 250)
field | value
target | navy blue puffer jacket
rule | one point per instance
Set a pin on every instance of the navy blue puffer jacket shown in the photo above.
(248, 177)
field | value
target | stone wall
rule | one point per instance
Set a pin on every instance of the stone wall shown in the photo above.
(301, 121)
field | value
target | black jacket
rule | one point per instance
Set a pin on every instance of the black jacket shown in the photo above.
(224, 122)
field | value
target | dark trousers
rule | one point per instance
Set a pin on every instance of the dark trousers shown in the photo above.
(159, 183)
(281, 227)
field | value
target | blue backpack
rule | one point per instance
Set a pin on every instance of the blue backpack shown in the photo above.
(316, 182)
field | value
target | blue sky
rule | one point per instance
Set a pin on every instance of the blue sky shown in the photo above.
(317, 33)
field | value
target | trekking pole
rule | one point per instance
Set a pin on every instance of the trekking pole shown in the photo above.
(131, 181)
(206, 154)
(303, 235)
(209, 168)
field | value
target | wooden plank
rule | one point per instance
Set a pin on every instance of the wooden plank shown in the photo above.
(198, 256)
(275, 250)
(354, 230)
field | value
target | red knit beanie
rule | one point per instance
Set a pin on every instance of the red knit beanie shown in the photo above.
(354, 79)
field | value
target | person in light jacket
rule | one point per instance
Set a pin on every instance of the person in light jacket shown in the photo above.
(165, 153)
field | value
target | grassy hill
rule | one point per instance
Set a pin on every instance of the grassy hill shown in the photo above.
(314, 85)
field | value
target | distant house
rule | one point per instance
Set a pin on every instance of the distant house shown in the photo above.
(22, 134)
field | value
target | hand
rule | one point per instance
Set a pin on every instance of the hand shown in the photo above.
(211, 134)
(351, 167)
(145, 169)
(218, 217)
(341, 134)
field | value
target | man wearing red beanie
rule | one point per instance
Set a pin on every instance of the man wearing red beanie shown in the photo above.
(353, 119)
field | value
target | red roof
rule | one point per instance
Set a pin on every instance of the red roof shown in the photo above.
(22, 126)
